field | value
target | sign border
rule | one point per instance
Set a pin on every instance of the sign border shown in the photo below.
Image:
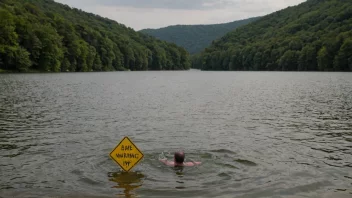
(134, 146)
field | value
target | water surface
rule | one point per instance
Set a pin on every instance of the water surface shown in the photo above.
(258, 134)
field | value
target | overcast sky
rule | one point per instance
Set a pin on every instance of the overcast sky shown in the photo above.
(141, 14)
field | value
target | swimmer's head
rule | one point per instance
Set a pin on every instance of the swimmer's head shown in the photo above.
(179, 157)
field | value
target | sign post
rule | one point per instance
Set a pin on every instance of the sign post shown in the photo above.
(126, 154)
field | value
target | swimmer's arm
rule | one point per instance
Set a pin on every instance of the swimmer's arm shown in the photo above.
(163, 161)
(192, 163)
(168, 163)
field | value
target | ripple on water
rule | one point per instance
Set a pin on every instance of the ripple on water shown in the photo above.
(223, 151)
(257, 134)
(245, 162)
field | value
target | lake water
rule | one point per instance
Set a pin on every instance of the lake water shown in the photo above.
(257, 134)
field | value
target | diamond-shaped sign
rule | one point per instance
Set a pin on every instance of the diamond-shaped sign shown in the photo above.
(126, 154)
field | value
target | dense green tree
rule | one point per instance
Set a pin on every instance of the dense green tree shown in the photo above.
(51, 53)
(47, 36)
(258, 61)
(7, 28)
(288, 62)
(307, 60)
(324, 60)
(343, 58)
(65, 65)
(315, 35)
(22, 60)
(97, 65)
(194, 38)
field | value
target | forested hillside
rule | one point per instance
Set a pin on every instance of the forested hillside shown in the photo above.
(195, 38)
(315, 35)
(42, 35)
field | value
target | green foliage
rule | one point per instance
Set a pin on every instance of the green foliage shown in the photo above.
(307, 60)
(42, 35)
(14, 57)
(7, 28)
(22, 61)
(288, 62)
(194, 38)
(324, 59)
(315, 35)
(343, 58)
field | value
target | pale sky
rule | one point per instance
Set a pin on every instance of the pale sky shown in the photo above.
(141, 14)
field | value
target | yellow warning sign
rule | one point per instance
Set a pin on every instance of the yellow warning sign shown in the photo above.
(126, 154)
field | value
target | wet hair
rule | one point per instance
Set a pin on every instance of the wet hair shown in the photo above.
(179, 157)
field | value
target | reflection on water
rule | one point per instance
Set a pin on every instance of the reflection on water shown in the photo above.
(180, 174)
(257, 134)
(128, 181)
(179, 170)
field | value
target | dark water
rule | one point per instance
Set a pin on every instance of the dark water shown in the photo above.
(266, 134)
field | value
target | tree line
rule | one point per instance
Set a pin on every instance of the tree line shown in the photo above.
(195, 38)
(313, 36)
(42, 35)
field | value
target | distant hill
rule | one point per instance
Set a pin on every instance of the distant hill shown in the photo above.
(195, 38)
(313, 36)
(42, 35)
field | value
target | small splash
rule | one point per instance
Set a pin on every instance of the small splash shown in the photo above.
(162, 156)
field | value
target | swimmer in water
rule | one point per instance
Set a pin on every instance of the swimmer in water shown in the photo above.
(179, 160)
